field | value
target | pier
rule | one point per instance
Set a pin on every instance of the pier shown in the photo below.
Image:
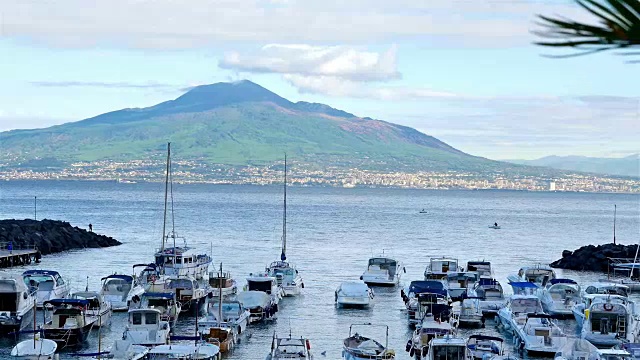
(12, 255)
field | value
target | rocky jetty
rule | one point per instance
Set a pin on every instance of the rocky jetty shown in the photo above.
(594, 258)
(50, 236)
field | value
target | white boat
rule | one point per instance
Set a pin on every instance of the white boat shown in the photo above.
(436, 323)
(118, 290)
(469, 312)
(514, 314)
(202, 351)
(268, 284)
(165, 302)
(353, 294)
(146, 327)
(481, 267)
(189, 293)
(48, 284)
(233, 313)
(222, 282)
(124, 350)
(449, 348)
(419, 295)
(69, 324)
(485, 347)
(559, 297)
(607, 320)
(97, 307)
(358, 347)
(17, 303)
(460, 284)
(260, 305)
(125, 181)
(382, 271)
(607, 288)
(287, 275)
(539, 274)
(578, 349)
(35, 349)
(491, 295)
(173, 260)
(540, 335)
(439, 268)
(283, 348)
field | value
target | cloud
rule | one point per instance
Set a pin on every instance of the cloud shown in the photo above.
(170, 24)
(109, 85)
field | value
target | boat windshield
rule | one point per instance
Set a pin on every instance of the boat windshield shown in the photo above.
(449, 352)
(157, 302)
(264, 286)
(180, 284)
(525, 306)
(290, 346)
(137, 318)
(116, 287)
(383, 264)
(609, 290)
(40, 282)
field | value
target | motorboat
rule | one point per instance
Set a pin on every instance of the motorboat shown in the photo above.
(48, 284)
(578, 349)
(524, 288)
(436, 322)
(201, 351)
(481, 267)
(97, 307)
(233, 314)
(423, 211)
(17, 303)
(491, 295)
(460, 284)
(219, 332)
(287, 275)
(449, 348)
(148, 275)
(439, 268)
(124, 350)
(69, 324)
(146, 327)
(118, 290)
(265, 283)
(35, 349)
(353, 294)
(412, 299)
(290, 348)
(540, 335)
(494, 227)
(607, 288)
(171, 259)
(222, 282)
(165, 302)
(261, 305)
(189, 293)
(633, 349)
(469, 312)
(514, 314)
(539, 274)
(358, 347)
(383, 271)
(614, 354)
(559, 297)
(485, 347)
(607, 320)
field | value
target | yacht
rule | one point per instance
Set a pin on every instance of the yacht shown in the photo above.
(559, 297)
(416, 304)
(146, 327)
(165, 302)
(439, 268)
(97, 307)
(383, 271)
(290, 348)
(185, 351)
(189, 293)
(118, 290)
(17, 303)
(353, 294)
(538, 274)
(449, 348)
(480, 267)
(35, 349)
(514, 314)
(491, 295)
(222, 282)
(173, 260)
(358, 347)
(607, 320)
(540, 335)
(69, 323)
(436, 322)
(48, 284)
(267, 284)
(261, 305)
(483, 346)
(287, 275)
(231, 314)
(578, 349)
(469, 312)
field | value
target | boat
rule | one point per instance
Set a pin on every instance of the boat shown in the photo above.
(538, 274)
(614, 354)
(287, 275)
(201, 351)
(290, 348)
(48, 284)
(358, 347)
(69, 325)
(540, 335)
(234, 314)
(449, 348)
(439, 268)
(494, 227)
(633, 349)
(481, 267)
(625, 271)
(118, 290)
(491, 295)
(437, 321)
(607, 320)
(460, 284)
(578, 349)
(416, 304)
(146, 327)
(260, 305)
(97, 307)
(35, 349)
(469, 312)
(165, 302)
(125, 181)
(607, 288)
(17, 304)
(559, 297)
(383, 271)
(221, 333)
(124, 350)
(173, 260)
(222, 282)
(423, 211)
(189, 293)
(514, 314)
(265, 283)
(485, 347)
(353, 294)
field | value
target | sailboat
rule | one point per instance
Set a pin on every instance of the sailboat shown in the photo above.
(286, 274)
(222, 333)
(177, 260)
(631, 270)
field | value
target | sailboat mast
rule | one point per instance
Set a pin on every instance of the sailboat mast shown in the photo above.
(615, 208)
(220, 297)
(283, 256)
(166, 194)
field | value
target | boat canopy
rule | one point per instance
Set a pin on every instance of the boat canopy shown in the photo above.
(485, 337)
(523, 285)
(72, 302)
(354, 288)
(563, 281)
(420, 286)
(41, 272)
(252, 299)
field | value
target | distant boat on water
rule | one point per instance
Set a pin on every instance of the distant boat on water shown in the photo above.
(125, 181)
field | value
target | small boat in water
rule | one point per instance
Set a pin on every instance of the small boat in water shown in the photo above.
(358, 347)
(267, 284)
(35, 349)
(261, 305)
(559, 297)
(146, 327)
(419, 295)
(353, 294)
(540, 335)
(165, 302)
(70, 324)
(222, 282)
(539, 274)
(485, 347)
(118, 290)
(440, 268)
(189, 293)
(219, 332)
(494, 227)
(578, 349)
(97, 307)
(202, 351)
(383, 271)
(233, 314)
(607, 320)
(283, 348)
(124, 350)
(48, 284)
(17, 304)
(469, 312)
(449, 348)
(491, 295)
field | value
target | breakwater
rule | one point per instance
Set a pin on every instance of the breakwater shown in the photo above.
(594, 258)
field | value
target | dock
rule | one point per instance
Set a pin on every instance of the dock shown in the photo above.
(15, 255)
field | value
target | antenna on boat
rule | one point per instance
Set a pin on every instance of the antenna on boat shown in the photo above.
(166, 193)
(86, 288)
(615, 208)
(283, 256)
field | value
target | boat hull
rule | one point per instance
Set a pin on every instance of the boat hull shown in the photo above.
(68, 337)
(348, 354)
(15, 323)
(353, 302)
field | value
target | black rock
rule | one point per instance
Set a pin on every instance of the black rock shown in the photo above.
(593, 258)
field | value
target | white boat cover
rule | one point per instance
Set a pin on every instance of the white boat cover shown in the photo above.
(354, 289)
(253, 299)
(43, 347)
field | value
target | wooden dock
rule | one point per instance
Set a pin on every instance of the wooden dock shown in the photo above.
(18, 257)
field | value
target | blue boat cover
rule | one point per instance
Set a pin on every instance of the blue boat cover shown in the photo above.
(523, 284)
(420, 286)
(59, 302)
(488, 281)
(41, 272)
(562, 281)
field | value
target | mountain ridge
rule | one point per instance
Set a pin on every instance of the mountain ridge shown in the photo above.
(625, 166)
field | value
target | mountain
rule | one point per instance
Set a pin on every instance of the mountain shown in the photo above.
(627, 166)
(239, 123)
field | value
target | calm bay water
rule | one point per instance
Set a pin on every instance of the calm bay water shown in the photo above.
(332, 233)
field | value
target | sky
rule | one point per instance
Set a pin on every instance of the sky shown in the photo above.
(464, 71)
